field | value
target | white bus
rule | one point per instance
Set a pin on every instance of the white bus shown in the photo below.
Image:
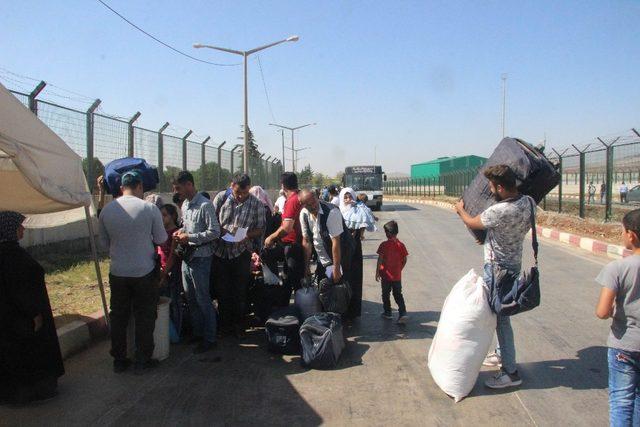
(366, 180)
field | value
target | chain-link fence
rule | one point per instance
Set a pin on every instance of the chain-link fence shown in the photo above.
(100, 138)
(599, 181)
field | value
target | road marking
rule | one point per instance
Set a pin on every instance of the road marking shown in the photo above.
(525, 408)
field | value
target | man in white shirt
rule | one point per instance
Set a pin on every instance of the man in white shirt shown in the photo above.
(323, 231)
(130, 227)
(623, 192)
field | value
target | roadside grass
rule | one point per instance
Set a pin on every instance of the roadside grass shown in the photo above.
(72, 284)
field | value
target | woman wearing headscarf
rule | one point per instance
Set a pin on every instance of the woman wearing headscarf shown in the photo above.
(357, 218)
(30, 359)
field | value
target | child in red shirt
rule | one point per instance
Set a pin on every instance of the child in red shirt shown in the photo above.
(392, 257)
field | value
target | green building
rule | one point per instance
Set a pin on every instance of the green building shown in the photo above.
(442, 165)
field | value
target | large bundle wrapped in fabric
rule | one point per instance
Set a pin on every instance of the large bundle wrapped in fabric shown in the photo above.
(322, 340)
(464, 335)
(283, 331)
(536, 177)
(335, 297)
(114, 170)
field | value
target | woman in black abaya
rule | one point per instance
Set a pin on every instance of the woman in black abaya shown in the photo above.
(30, 359)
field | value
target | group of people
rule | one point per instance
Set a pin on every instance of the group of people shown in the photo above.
(591, 193)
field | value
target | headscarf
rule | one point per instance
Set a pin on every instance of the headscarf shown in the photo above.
(262, 195)
(9, 224)
(344, 208)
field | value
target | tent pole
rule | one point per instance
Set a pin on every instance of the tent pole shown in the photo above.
(94, 252)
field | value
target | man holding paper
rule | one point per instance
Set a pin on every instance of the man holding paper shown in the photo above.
(242, 219)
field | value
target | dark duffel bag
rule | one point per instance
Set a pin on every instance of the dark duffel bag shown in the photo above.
(535, 173)
(322, 340)
(114, 170)
(283, 331)
(265, 299)
(335, 297)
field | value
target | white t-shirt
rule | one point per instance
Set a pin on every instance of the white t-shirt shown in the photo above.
(130, 227)
(336, 201)
(280, 201)
(624, 188)
(507, 224)
(334, 227)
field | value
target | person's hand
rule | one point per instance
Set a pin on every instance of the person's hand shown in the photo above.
(337, 274)
(269, 242)
(180, 237)
(37, 323)
(460, 206)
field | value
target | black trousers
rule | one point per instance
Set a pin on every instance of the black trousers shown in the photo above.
(294, 259)
(356, 278)
(396, 288)
(232, 277)
(140, 294)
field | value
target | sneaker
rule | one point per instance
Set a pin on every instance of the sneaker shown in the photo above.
(203, 347)
(121, 365)
(386, 316)
(140, 367)
(503, 380)
(403, 319)
(493, 360)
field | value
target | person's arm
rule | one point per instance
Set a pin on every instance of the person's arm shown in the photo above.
(337, 258)
(380, 261)
(212, 231)
(474, 223)
(158, 233)
(606, 303)
(285, 228)
(307, 247)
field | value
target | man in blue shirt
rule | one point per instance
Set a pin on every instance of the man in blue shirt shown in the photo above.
(200, 228)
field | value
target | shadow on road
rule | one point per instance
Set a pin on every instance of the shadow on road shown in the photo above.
(398, 208)
(587, 372)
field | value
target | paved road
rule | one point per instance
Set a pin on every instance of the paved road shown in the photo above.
(382, 378)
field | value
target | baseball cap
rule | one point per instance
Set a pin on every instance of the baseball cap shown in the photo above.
(131, 178)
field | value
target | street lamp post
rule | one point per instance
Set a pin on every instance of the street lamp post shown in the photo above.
(245, 55)
(293, 148)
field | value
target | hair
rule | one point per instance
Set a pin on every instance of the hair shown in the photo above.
(631, 221)
(131, 179)
(173, 211)
(501, 175)
(363, 197)
(205, 195)
(391, 228)
(183, 177)
(289, 181)
(333, 190)
(242, 180)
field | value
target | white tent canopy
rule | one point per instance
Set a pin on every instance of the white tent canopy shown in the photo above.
(41, 176)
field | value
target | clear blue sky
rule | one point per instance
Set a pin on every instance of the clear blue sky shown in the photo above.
(417, 79)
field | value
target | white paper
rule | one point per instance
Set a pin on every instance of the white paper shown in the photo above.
(241, 234)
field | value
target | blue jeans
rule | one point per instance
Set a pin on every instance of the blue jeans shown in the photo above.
(195, 279)
(624, 388)
(506, 345)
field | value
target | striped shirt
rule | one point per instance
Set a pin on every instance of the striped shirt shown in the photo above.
(233, 215)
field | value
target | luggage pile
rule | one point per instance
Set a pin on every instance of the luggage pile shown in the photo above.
(536, 177)
(114, 170)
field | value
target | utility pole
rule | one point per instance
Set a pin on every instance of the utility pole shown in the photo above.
(504, 103)
(282, 132)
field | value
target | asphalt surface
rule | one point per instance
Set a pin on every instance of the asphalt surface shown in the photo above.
(382, 377)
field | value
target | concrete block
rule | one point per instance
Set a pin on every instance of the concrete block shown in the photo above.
(73, 337)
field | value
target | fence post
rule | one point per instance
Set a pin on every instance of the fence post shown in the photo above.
(220, 164)
(184, 149)
(202, 163)
(609, 178)
(132, 120)
(161, 156)
(90, 172)
(33, 103)
(582, 177)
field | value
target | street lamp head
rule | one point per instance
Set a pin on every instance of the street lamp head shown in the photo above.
(198, 45)
(293, 38)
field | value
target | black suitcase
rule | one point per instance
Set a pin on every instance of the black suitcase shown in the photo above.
(265, 299)
(536, 177)
(283, 331)
(322, 340)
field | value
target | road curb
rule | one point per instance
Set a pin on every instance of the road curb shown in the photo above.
(79, 334)
(588, 244)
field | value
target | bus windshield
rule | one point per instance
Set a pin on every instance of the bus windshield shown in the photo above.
(364, 182)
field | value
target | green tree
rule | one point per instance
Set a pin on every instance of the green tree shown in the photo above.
(305, 177)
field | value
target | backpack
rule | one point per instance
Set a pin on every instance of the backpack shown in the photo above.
(283, 331)
(512, 293)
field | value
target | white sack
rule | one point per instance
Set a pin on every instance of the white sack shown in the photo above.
(464, 335)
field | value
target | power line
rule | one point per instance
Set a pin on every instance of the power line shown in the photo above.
(163, 43)
(266, 93)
